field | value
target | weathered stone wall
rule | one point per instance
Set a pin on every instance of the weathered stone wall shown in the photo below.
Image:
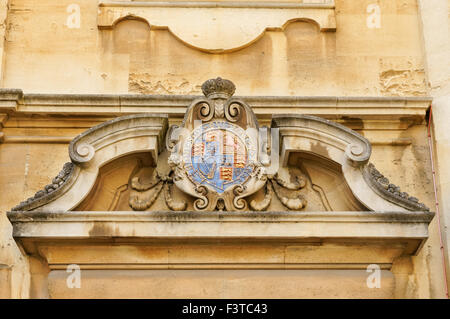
(14, 269)
(405, 56)
(355, 60)
(435, 24)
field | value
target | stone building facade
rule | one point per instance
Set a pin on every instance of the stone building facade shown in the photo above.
(224, 149)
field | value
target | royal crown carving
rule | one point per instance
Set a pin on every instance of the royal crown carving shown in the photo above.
(218, 88)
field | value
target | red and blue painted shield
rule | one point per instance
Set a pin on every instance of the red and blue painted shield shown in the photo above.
(217, 155)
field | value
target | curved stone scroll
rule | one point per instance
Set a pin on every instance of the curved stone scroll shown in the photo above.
(89, 151)
(218, 26)
(322, 137)
(335, 142)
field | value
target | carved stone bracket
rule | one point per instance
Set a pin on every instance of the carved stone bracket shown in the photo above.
(3, 119)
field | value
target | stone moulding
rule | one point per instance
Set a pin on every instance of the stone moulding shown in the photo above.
(408, 110)
(335, 142)
(83, 147)
(381, 185)
(210, 29)
(91, 150)
(407, 228)
(196, 241)
(60, 183)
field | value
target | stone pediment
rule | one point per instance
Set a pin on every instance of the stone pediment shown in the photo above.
(220, 159)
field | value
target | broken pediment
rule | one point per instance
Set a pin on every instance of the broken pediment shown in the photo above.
(220, 159)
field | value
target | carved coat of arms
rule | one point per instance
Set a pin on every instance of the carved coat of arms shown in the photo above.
(219, 157)
(214, 153)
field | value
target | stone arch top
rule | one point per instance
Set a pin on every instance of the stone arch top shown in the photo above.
(335, 142)
(93, 149)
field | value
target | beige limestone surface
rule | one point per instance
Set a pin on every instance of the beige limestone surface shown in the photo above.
(204, 252)
(46, 56)
(435, 16)
(273, 284)
(407, 56)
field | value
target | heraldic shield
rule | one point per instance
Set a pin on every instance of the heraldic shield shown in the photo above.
(214, 153)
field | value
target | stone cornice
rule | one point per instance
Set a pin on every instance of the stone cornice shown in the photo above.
(407, 228)
(217, 4)
(405, 109)
(215, 216)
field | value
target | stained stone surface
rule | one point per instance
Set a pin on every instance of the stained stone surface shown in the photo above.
(60, 79)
